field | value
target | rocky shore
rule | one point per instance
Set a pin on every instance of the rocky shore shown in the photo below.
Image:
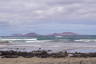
(44, 54)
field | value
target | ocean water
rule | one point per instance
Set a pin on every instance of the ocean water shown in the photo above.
(54, 46)
(29, 44)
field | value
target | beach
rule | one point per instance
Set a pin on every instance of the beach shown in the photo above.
(59, 46)
(48, 60)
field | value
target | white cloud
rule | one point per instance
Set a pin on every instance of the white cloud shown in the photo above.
(27, 14)
(16, 10)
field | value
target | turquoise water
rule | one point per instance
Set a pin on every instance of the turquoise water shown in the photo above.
(70, 37)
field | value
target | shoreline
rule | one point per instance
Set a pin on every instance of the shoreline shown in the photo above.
(44, 54)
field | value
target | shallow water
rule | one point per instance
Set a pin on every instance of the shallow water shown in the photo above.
(50, 45)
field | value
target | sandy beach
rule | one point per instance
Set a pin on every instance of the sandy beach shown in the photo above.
(48, 61)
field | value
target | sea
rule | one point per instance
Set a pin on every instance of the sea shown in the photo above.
(72, 44)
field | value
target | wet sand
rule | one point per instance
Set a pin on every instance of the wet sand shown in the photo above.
(48, 61)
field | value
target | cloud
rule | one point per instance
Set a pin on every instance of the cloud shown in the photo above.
(27, 14)
(45, 9)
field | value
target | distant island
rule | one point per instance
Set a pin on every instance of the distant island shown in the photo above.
(53, 34)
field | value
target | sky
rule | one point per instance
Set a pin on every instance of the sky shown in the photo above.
(47, 16)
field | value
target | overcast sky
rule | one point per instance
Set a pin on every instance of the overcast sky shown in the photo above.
(47, 16)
